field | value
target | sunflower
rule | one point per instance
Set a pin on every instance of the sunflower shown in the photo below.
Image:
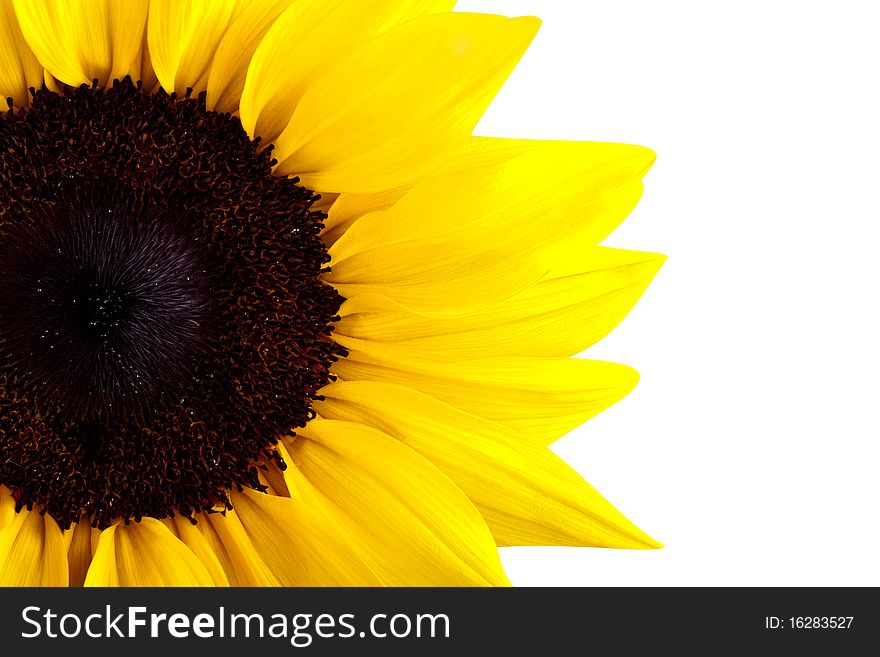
(272, 315)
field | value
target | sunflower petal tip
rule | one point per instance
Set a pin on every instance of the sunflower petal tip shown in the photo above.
(649, 543)
(634, 538)
(655, 262)
(532, 21)
(647, 158)
(629, 378)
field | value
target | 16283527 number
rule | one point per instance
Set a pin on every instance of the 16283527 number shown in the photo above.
(820, 622)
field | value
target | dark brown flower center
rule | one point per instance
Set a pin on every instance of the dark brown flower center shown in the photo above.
(162, 321)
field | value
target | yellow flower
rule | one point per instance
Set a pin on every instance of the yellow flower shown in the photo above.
(336, 361)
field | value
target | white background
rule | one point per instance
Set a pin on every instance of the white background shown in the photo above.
(750, 447)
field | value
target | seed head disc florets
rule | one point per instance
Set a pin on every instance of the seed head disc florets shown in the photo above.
(162, 322)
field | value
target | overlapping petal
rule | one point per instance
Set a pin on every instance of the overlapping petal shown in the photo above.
(476, 199)
(479, 227)
(560, 315)
(145, 553)
(541, 398)
(527, 494)
(349, 208)
(310, 36)
(7, 506)
(78, 41)
(229, 64)
(412, 526)
(376, 120)
(183, 37)
(298, 543)
(32, 550)
(79, 540)
(19, 67)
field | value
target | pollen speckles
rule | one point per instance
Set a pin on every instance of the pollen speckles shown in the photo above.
(162, 323)
(106, 305)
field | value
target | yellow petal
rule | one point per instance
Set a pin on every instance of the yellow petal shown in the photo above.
(348, 208)
(234, 549)
(406, 518)
(309, 36)
(148, 75)
(414, 8)
(545, 192)
(273, 478)
(298, 543)
(237, 46)
(540, 398)
(183, 37)
(533, 208)
(324, 201)
(81, 40)
(144, 553)
(32, 551)
(128, 21)
(200, 544)
(19, 68)
(219, 539)
(557, 316)
(527, 494)
(79, 551)
(95, 540)
(436, 278)
(401, 103)
(7, 506)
